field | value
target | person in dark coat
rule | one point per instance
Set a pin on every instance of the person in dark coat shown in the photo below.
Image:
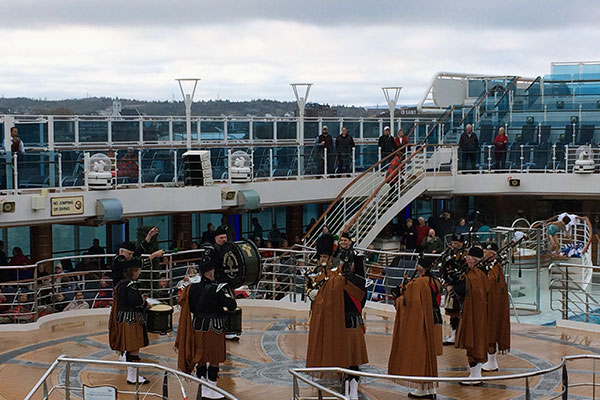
(325, 143)
(468, 145)
(386, 143)
(343, 147)
(409, 235)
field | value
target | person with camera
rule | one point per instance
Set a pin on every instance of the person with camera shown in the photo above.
(417, 338)
(336, 329)
(202, 325)
(127, 322)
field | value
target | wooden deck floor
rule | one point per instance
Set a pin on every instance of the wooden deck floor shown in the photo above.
(274, 340)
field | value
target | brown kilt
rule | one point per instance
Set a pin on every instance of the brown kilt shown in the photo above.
(209, 347)
(133, 336)
(357, 347)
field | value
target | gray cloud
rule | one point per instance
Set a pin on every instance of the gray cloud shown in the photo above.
(474, 15)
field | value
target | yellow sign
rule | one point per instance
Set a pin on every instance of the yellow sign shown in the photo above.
(72, 205)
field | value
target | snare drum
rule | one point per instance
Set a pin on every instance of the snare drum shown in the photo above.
(234, 322)
(160, 319)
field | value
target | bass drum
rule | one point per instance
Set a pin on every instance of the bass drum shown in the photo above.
(240, 264)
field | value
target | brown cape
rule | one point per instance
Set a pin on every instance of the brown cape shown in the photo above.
(472, 334)
(498, 309)
(184, 343)
(114, 334)
(414, 347)
(355, 337)
(327, 342)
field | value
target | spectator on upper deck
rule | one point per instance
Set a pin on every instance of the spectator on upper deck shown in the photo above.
(16, 144)
(422, 231)
(128, 166)
(386, 143)
(325, 142)
(500, 145)
(229, 230)
(343, 147)
(468, 145)
(400, 140)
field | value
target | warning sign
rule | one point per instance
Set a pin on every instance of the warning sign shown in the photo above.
(72, 205)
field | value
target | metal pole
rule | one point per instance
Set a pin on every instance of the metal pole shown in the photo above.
(537, 270)
(565, 382)
(67, 381)
(59, 171)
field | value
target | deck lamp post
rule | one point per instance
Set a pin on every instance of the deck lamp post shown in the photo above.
(392, 93)
(188, 99)
(301, 102)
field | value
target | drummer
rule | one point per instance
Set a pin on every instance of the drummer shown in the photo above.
(127, 324)
(201, 334)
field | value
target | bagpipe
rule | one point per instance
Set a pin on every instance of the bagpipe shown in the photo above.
(452, 265)
(502, 255)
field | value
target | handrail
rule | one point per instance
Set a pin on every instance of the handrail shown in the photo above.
(538, 79)
(422, 145)
(513, 83)
(356, 179)
(138, 365)
(295, 372)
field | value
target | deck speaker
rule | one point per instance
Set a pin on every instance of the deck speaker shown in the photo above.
(514, 182)
(560, 104)
(574, 119)
(197, 169)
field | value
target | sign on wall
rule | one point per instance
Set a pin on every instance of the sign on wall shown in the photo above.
(72, 205)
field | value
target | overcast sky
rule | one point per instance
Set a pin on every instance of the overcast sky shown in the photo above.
(246, 50)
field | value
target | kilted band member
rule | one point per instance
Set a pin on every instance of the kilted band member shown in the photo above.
(498, 310)
(202, 324)
(127, 322)
(472, 332)
(452, 303)
(128, 251)
(417, 339)
(336, 328)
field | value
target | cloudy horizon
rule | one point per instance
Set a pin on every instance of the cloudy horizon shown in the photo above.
(246, 50)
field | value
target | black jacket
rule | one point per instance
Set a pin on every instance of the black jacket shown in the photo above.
(409, 237)
(344, 145)
(206, 299)
(328, 140)
(468, 143)
(387, 144)
(129, 297)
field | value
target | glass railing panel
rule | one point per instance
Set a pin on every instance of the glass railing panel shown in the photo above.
(333, 126)
(125, 131)
(155, 131)
(365, 156)
(371, 130)
(286, 130)
(72, 164)
(33, 134)
(238, 130)
(285, 161)
(218, 159)
(262, 162)
(311, 129)
(157, 166)
(64, 131)
(37, 170)
(311, 159)
(93, 131)
(179, 131)
(262, 130)
(212, 130)
(127, 166)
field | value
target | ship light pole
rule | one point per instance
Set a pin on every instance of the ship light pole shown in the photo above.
(188, 99)
(392, 93)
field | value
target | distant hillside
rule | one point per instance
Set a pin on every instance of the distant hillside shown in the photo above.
(103, 106)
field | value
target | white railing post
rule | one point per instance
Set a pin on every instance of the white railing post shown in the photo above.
(139, 168)
(15, 172)
(379, 157)
(229, 166)
(489, 157)
(271, 163)
(86, 167)
(325, 161)
(522, 156)
(300, 163)
(566, 158)
(59, 171)
(554, 157)
(353, 161)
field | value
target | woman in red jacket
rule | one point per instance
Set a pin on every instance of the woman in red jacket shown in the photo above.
(500, 145)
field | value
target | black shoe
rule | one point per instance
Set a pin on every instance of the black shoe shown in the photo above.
(448, 343)
(425, 396)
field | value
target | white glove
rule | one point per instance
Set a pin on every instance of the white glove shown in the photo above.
(312, 294)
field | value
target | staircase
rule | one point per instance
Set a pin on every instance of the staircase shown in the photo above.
(376, 196)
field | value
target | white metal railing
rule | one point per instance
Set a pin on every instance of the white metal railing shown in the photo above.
(67, 384)
(301, 374)
(575, 298)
